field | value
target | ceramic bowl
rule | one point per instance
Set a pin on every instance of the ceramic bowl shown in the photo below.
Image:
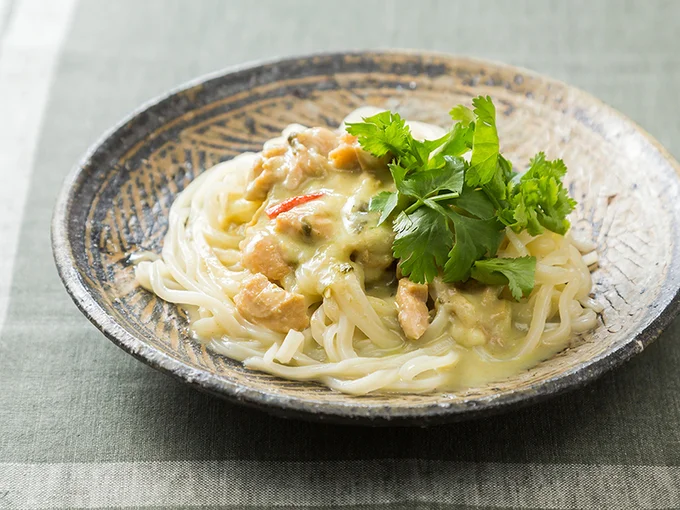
(116, 202)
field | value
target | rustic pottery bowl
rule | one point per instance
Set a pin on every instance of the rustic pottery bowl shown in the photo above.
(116, 202)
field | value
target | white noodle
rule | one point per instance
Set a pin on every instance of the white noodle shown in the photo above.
(352, 343)
(290, 346)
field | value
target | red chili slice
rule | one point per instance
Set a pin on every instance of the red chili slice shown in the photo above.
(287, 205)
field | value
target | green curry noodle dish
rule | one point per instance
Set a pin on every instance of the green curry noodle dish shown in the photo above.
(387, 255)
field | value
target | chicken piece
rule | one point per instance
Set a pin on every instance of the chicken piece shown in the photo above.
(374, 262)
(321, 140)
(372, 250)
(349, 155)
(500, 322)
(344, 156)
(260, 179)
(308, 156)
(271, 150)
(490, 295)
(301, 164)
(498, 313)
(412, 303)
(370, 259)
(468, 337)
(449, 297)
(262, 302)
(304, 155)
(305, 222)
(263, 255)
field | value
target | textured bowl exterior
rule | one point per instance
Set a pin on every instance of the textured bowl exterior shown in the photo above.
(116, 202)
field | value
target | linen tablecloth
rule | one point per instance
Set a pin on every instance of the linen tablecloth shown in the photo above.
(84, 425)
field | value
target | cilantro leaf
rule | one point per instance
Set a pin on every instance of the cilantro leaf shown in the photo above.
(422, 242)
(450, 214)
(380, 201)
(496, 188)
(421, 151)
(485, 145)
(398, 173)
(462, 255)
(474, 238)
(539, 200)
(383, 133)
(456, 143)
(385, 202)
(517, 274)
(427, 183)
(475, 202)
(462, 114)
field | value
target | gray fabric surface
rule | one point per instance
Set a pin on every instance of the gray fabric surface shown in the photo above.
(83, 424)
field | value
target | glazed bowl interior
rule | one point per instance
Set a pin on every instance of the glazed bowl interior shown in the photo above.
(116, 203)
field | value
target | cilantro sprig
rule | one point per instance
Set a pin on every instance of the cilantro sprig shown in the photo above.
(455, 196)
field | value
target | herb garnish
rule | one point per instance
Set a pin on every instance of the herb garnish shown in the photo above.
(448, 213)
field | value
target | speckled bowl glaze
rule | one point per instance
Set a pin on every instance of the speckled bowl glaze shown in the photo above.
(116, 202)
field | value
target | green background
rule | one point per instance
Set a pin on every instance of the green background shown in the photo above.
(71, 400)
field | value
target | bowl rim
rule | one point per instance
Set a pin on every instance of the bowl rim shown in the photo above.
(354, 413)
